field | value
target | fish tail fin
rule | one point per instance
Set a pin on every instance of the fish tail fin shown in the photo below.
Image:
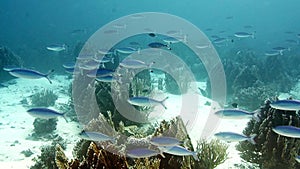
(64, 116)
(195, 156)
(163, 102)
(162, 155)
(151, 64)
(46, 76)
(256, 117)
(113, 60)
(253, 35)
(281, 52)
(252, 139)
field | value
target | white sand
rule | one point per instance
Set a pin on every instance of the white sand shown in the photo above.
(17, 125)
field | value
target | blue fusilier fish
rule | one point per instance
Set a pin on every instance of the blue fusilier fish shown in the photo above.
(288, 131)
(143, 153)
(29, 74)
(235, 114)
(233, 137)
(164, 141)
(178, 151)
(146, 101)
(158, 45)
(290, 105)
(45, 113)
(135, 64)
(96, 136)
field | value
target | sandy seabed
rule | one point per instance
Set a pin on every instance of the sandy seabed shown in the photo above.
(16, 125)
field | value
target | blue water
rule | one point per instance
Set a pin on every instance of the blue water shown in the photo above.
(28, 26)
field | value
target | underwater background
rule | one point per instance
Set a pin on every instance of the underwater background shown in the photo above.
(258, 46)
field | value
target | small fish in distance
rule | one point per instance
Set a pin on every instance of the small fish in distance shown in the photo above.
(244, 35)
(126, 50)
(233, 137)
(281, 49)
(152, 34)
(29, 74)
(272, 53)
(57, 48)
(45, 113)
(135, 64)
(287, 131)
(146, 101)
(158, 45)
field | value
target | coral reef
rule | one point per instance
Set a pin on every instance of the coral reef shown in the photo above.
(253, 97)
(89, 154)
(272, 150)
(247, 73)
(210, 154)
(44, 127)
(48, 153)
(8, 58)
(44, 98)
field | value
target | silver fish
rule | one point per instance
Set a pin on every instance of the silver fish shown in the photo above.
(179, 151)
(164, 141)
(57, 48)
(45, 113)
(291, 105)
(142, 153)
(280, 49)
(126, 50)
(134, 64)
(171, 40)
(146, 101)
(158, 45)
(243, 34)
(219, 40)
(69, 65)
(234, 114)
(272, 53)
(232, 137)
(29, 74)
(96, 136)
(288, 131)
